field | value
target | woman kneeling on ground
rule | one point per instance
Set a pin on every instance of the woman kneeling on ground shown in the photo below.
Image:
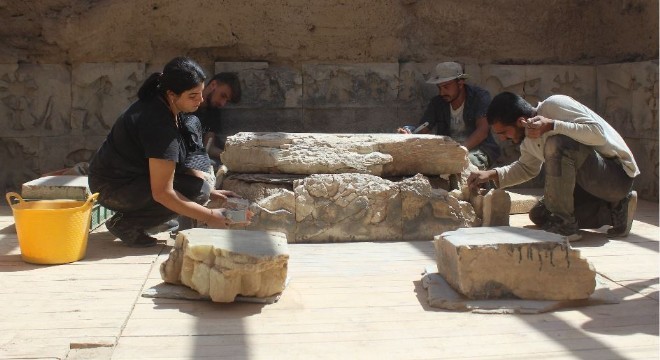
(140, 169)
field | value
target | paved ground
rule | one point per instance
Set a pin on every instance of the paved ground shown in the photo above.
(351, 301)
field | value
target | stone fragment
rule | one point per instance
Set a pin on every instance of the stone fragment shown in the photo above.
(507, 262)
(496, 208)
(377, 154)
(57, 187)
(347, 207)
(522, 203)
(222, 264)
(426, 212)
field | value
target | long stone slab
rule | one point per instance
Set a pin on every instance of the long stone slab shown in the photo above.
(507, 262)
(223, 264)
(315, 153)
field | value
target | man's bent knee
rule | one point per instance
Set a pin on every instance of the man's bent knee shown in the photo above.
(557, 145)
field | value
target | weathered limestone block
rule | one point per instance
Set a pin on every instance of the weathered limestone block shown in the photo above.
(507, 262)
(427, 212)
(496, 208)
(347, 207)
(57, 187)
(222, 264)
(375, 154)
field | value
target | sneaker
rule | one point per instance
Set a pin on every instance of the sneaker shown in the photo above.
(130, 236)
(111, 224)
(142, 241)
(168, 226)
(559, 226)
(539, 214)
(622, 216)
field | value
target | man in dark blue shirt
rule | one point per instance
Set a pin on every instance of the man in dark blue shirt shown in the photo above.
(224, 87)
(459, 111)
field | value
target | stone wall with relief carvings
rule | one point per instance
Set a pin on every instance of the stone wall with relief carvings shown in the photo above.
(53, 115)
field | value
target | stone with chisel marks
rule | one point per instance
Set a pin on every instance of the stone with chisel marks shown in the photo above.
(507, 262)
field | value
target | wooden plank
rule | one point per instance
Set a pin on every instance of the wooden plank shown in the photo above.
(369, 345)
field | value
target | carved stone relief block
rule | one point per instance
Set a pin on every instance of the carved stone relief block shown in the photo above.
(35, 100)
(19, 162)
(646, 156)
(101, 92)
(350, 85)
(413, 89)
(265, 86)
(351, 120)
(347, 207)
(628, 98)
(235, 120)
(65, 151)
(537, 82)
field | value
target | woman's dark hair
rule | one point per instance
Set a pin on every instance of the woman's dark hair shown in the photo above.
(506, 108)
(179, 75)
(231, 79)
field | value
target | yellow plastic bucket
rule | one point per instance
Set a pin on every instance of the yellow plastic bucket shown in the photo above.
(52, 231)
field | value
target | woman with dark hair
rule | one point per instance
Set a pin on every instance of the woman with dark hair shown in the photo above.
(150, 168)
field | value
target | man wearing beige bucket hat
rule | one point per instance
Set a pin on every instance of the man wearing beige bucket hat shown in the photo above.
(459, 111)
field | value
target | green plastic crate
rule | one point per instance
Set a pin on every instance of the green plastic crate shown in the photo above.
(99, 216)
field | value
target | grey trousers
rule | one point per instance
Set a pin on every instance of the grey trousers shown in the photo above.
(580, 184)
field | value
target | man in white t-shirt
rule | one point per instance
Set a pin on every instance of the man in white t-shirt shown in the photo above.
(589, 168)
(459, 111)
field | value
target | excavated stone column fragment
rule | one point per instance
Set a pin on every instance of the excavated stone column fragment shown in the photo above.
(222, 264)
(507, 262)
(315, 153)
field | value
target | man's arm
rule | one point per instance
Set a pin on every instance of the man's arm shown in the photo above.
(213, 150)
(482, 177)
(478, 135)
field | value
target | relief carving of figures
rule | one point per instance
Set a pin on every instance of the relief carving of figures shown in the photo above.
(18, 96)
(33, 97)
(18, 165)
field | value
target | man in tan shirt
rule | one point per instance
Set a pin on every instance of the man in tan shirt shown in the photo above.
(589, 168)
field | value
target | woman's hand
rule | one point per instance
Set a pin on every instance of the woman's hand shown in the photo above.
(219, 219)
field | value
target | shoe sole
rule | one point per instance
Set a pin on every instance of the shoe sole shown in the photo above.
(632, 207)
